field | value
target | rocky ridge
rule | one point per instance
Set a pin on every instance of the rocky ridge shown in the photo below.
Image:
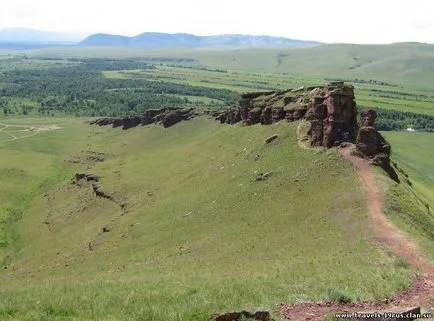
(166, 117)
(330, 109)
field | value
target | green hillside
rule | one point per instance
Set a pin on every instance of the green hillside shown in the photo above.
(414, 153)
(404, 63)
(186, 231)
(410, 206)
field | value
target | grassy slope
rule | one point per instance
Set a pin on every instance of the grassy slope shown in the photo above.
(199, 235)
(414, 153)
(407, 206)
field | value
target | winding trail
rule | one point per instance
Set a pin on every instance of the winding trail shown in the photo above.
(421, 293)
(385, 232)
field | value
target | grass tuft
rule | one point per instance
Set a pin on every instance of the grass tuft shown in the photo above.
(335, 293)
(401, 263)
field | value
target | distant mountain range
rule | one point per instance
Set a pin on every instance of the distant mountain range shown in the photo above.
(25, 35)
(162, 40)
(23, 38)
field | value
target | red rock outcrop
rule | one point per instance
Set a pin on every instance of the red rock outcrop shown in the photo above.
(371, 144)
(337, 104)
(331, 110)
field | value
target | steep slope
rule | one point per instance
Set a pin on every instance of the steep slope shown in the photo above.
(410, 205)
(178, 227)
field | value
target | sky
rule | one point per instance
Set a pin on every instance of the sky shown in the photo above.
(330, 21)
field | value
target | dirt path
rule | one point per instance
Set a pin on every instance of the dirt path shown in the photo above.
(29, 131)
(385, 232)
(421, 293)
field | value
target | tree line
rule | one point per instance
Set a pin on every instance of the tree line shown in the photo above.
(83, 90)
(399, 120)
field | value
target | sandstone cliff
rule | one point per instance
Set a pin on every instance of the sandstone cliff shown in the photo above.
(330, 109)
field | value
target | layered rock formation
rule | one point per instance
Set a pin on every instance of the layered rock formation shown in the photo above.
(333, 115)
(370, 143)
(331, 110)
(165, 116)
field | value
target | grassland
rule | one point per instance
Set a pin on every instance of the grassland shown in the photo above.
(198, 236)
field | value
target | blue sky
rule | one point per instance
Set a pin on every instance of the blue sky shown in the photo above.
(357, 21)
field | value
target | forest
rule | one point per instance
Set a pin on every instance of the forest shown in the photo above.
(82, 90)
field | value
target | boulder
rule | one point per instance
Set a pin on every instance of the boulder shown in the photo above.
(370, 142)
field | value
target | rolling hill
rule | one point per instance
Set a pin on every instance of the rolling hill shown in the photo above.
(403, 64)
(163, 40)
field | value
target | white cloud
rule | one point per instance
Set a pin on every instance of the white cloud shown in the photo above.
(368, 21)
